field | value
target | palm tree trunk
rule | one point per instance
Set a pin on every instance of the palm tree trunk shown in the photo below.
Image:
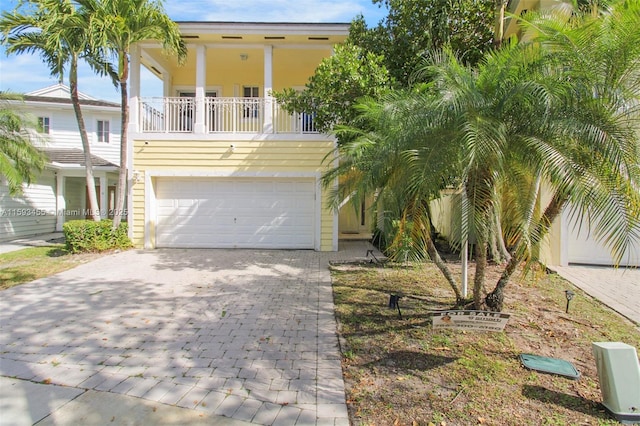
(481, 267)
(498, 33)
(495, 299)
(122, 176)
(501, 246)
(88, 163)
(432, 250)
(435, 257)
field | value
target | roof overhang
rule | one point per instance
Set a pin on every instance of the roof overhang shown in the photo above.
(73, 167)
(276, 34)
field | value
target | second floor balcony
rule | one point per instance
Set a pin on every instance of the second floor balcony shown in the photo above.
(220, 115)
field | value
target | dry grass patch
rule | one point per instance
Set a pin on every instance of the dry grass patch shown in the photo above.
(400, 372)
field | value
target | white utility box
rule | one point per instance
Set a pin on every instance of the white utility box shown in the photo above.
(619, 376)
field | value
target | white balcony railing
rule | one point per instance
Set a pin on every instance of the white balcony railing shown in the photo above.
(222, 115)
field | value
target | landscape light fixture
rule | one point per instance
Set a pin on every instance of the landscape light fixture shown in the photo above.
(569, 295)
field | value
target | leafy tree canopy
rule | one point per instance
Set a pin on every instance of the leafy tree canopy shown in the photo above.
(414, 29)
(339, 80)
(20, 161)
(373, 60)
(533, 129)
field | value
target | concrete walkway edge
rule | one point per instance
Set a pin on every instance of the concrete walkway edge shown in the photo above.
(619, 288)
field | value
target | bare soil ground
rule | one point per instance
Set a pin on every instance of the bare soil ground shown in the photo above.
(398, 371)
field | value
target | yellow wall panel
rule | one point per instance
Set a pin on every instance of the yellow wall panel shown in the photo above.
(203, 157)
(226, 69)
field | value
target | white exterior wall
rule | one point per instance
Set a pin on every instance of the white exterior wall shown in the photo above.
(64, 128)
(33, 212)
(74, 189)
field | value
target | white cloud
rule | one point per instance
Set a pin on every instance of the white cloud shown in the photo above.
(26, 72)
(23, 73)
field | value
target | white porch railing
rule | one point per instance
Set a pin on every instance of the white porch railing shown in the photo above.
(222, 115)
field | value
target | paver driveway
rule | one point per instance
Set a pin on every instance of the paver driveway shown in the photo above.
(241, 333)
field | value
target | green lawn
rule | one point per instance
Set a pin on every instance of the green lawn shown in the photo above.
(29, 264)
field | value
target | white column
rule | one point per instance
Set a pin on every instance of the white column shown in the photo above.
(267, 126)
(60, 202)
(104, 199)
(134, 88)
(134, 120)
(166, 86)
(201, 82)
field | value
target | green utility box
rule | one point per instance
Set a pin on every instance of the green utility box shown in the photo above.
(619, 375)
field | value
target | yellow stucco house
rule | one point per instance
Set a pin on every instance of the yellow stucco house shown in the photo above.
(215, 162)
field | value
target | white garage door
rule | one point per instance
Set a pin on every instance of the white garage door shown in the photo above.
(584, 248)
(235, 212)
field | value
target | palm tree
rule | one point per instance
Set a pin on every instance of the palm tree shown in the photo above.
(19, 158)
(561, 115)
(598, 52)
(115, 26)
(58, 32)
(388, 159)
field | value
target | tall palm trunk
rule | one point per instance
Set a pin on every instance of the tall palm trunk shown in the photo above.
(480, 184)
(124, 145)
(88, 163)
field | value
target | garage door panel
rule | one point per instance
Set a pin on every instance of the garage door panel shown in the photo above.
(187, 203)
(584, 248)
(235, 212)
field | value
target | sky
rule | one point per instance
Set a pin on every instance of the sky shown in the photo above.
(24, 73)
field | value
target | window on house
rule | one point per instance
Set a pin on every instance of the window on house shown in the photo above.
(251, 91)
(103, 131)
(43, 125)
(251, 107)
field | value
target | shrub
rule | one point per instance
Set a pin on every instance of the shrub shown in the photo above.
(90, 236)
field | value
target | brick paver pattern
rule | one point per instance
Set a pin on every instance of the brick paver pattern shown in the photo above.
(246, 334)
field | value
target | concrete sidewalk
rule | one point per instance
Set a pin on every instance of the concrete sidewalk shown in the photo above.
(618, 288)
(35, 241)
(23, 402)
(176, 337)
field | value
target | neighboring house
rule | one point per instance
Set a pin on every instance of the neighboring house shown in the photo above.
(59, 193)
(216, 162)
(571, 239)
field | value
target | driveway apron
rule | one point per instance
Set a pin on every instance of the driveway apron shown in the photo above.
(245, 334)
